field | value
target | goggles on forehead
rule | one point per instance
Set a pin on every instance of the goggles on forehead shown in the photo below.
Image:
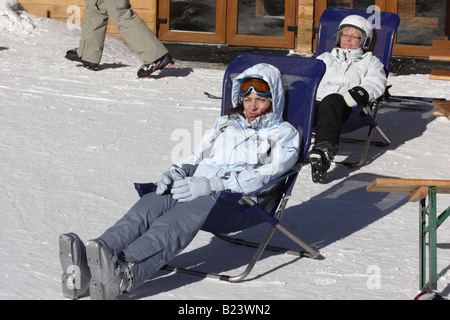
(259, 86)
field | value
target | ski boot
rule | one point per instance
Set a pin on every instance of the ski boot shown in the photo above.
(72, 55)
(76, 274)
(320, 158)
(147, 69)
(110, 275)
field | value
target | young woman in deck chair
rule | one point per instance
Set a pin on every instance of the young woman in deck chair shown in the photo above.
(245, 150)
(353, 76)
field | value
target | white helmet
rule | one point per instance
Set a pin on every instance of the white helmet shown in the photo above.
(361, 24)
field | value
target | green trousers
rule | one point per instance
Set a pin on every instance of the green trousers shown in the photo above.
(135, 32)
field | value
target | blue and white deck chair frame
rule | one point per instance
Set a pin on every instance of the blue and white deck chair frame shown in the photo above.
(235, 211)
(386, 24)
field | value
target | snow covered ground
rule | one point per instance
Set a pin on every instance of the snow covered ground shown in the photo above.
(72, 142)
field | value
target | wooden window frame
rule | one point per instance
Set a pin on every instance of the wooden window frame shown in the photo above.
(287, 41)
(217, 37)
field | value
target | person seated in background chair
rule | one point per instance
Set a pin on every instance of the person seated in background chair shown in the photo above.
(245, 150)
(353, 76)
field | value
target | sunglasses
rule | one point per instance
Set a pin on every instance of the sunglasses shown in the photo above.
(259, 86)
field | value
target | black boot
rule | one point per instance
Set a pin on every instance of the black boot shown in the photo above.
(320, 158)
(72, 55)
(147, 69)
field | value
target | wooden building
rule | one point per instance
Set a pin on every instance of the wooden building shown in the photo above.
(264, 23)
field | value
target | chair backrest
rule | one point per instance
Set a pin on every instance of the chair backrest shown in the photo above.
(301, 76)
(383, 36)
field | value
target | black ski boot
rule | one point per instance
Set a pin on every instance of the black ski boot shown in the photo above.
(147, 69)
(76, 274)
(72, 55)
(320, 158)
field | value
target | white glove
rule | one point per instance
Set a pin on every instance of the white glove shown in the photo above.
(193, 187)
(349, 99)
(166, 180)
(356, 96)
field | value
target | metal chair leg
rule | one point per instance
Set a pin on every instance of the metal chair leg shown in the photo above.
(310, 252)
(368, 141)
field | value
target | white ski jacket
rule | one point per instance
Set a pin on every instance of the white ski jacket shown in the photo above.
(247, 156)
(348, 68)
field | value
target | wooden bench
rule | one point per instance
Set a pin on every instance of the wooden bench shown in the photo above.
(440, 75)
(440, 50)
(442, 108)
(414, 187)
(421, 190)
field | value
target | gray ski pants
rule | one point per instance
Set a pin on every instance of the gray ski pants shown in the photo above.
(135, 32)
(156, 229)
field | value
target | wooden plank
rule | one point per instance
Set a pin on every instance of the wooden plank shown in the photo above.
(65, 3)
(440, 51)
(418, 194)
(305, 23)
(59, 12)
(443, 107)
(135, 4)
(437, 113)
(47, 8)
(409, 50)
(50, 10)
(440, 75)
(143, 4)
(414, 187)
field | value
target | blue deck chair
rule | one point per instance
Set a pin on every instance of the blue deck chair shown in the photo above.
(235, 211)
(381, 46)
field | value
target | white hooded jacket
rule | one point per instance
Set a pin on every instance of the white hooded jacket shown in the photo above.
(247, 156)
(348, 68)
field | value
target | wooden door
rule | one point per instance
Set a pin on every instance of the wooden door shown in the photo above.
(236, 22)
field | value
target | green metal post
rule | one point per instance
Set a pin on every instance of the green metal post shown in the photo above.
(428, 224)
(432, 238)
(422, 244)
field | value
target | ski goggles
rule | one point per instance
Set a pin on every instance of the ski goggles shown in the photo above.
(259, 86)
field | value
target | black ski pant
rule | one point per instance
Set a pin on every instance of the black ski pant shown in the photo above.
(330, 115)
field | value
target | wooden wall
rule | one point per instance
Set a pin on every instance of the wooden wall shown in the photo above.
(146, 9)
(305, 23)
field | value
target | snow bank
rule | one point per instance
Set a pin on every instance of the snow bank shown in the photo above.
(12, 19)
